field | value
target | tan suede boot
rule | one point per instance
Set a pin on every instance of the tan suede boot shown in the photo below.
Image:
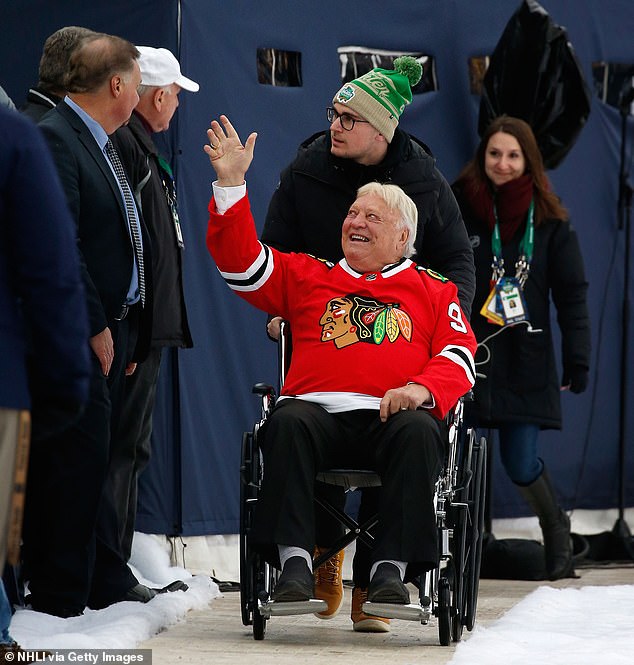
(329, 583)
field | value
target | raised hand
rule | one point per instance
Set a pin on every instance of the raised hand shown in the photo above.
(229, 158)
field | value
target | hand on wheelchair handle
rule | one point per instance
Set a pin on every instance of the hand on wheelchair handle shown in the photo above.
(273, 328)
(575, 379)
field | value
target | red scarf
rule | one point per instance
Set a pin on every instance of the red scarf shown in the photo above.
(512, 201)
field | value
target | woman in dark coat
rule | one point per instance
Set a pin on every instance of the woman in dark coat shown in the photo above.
(526, 253)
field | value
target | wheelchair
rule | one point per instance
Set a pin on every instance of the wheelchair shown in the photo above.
(448, 593)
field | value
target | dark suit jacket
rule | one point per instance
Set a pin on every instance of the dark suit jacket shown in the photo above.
(102, 227)
(42, 304)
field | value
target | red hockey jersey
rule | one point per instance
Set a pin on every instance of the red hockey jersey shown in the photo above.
(353, 333)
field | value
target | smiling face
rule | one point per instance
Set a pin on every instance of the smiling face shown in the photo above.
(372, 235)
(363, 143)
(503, 160)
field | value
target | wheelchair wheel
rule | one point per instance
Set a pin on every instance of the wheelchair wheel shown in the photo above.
(246, 588)
(265, 579)
(467, 522)
(455, 570)
(476, 498)
(259, 626)
(444, 611)
(249, 482)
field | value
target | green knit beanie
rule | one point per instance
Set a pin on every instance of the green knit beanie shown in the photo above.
(381, 95)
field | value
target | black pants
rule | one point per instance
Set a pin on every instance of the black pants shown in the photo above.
(301, 439)
(130, 449)
(71, 549)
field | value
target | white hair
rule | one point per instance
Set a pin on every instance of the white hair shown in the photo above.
(397, 201)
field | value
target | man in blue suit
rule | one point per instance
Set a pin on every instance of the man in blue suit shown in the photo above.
(43, 319)
(72, 557)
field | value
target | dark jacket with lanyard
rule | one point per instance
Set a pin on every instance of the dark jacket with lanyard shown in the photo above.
(521, 382)
(316, 190)
(154, 188)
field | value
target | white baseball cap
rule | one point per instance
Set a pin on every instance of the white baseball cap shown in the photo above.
(159, 67)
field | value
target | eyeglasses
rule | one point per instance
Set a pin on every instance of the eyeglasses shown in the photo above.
(347, 121)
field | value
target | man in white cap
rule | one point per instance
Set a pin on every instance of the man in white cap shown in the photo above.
(155, 190)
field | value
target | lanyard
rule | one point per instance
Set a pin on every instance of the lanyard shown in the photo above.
(170, 194)
(523, 264)
(165, 166)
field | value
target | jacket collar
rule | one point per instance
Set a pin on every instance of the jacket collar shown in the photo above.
(387, 272)
(140, 130)
(39, 96)
(315, 158)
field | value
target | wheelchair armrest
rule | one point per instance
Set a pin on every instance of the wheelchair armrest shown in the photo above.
(267, 394)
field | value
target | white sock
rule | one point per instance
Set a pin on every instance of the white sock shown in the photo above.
(287, 551)
(401, 565)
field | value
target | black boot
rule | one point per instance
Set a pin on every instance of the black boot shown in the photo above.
(555, 525)
(295, 582)
(386, 586)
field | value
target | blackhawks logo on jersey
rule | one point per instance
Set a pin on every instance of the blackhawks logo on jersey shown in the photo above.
(352, 318)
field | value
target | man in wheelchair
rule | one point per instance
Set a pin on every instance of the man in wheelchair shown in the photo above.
(381, 353)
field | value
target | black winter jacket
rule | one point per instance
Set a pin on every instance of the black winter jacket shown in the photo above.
(522, 382)
(316, 190)
(150, 181)
(38, 103)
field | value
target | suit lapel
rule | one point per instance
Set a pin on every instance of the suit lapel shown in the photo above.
(88, 141)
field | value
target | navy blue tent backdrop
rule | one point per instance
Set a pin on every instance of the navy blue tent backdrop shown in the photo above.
(205, 399)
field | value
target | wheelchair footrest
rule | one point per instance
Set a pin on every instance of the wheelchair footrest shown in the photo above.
(411, 612)
(271, 608)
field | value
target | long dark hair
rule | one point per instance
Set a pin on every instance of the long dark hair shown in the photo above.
(547, 203)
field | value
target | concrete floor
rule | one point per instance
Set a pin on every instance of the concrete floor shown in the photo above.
(216, 635)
